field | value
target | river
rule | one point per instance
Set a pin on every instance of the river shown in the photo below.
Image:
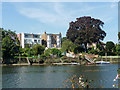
(54, 76)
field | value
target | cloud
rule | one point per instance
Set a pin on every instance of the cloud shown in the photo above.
(39, 14)
(53, 16)
(60, 14)
(113, 5)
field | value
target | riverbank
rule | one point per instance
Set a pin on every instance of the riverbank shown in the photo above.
(35, 64)
(65, 61)
(53, 64)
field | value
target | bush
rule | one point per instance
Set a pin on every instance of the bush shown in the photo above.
(47, 52)
(94, 52)
(42, 57)
(102, 53)
(109, 53)
(64, 57)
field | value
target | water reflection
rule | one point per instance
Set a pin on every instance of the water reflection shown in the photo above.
(53, 76)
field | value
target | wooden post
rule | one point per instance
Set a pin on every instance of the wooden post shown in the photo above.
(28, 61)
(110, 58)
(19, 59)
(106, 56)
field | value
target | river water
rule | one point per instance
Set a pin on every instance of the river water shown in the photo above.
(54, 76)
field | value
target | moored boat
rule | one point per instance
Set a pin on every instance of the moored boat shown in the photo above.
(75, 63)
(90, 64)
(102, 62)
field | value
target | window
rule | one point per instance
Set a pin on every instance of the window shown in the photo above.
(36, 36)
(38, 41)
(35, 41)
(25, 36)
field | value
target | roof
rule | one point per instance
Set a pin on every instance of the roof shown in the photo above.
(102, 43)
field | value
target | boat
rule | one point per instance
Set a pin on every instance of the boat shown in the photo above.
(102, 62)
(90, 64)
(75, 63)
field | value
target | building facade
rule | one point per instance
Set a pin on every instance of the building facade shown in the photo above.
(51, 40)
(28, 39)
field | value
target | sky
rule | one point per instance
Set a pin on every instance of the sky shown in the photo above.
(54, 17)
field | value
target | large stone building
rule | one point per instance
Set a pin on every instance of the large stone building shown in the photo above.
(28, 39)
(51, 40)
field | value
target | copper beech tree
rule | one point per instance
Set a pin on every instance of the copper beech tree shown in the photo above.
(86, 30)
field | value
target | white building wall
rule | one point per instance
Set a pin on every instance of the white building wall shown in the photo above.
(58, 41)
(22, 40)
(32, 39)
(49, 41)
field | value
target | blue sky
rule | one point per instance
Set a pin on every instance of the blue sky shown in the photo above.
(54, 17)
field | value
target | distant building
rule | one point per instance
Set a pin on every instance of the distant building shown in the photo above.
(28, 39)
(51, 40)
(95, 45)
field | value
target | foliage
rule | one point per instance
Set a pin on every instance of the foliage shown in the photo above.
(99, 46)
(47, 52)
(110, 46)
(119, 35)
(109, 53)
(26, 51)
(63, 39)
(94, 52)
(42, 56)
(38, 49)
(10, 44)
(102, 53)
(78, 49)
(77, 82)
(118, 49)
(28, 45)
(68, 45)
(86, 30)
(55, 51)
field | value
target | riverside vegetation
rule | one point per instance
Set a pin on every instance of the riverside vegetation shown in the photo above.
(83, 33)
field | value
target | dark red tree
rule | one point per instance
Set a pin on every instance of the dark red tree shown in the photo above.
(86, 30)
(118, 35)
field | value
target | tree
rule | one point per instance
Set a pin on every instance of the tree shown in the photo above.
(10, 45)
(110, 46)
(55, 51)
(119, 35)
(99, 46)
(78, 49)
(63, 39)
(67, 46)
(47, 52)
(118, 49)
(86, 30)
(26, 51)
(38, 49)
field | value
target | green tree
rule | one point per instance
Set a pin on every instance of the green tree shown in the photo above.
(110, 46)
(68, 45)
(99, 47)
(55, 51)
(26, 51)
(47, 52)
(86, 30)
(118, 49)
(38, 49)
(63, 39)
(10, 45)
